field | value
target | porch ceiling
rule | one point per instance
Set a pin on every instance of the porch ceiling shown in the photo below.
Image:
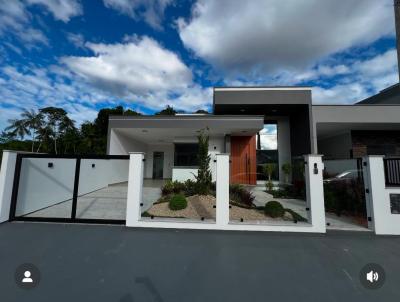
(170, 135)
(156, 130)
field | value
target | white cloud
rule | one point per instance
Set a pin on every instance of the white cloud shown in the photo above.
(62, 10)
(266, 36)
(365, 78)
(76, 39)
(137, 67)
(16, 20)
(151, 10)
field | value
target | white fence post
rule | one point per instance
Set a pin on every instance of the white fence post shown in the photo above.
(6, 183)
(222, 210)
(135, 188)
(384, 222)
(315, 192)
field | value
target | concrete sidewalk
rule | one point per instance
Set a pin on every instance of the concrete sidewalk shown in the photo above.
(115, 263)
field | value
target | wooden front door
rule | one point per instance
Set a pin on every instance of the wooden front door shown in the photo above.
(243, 157)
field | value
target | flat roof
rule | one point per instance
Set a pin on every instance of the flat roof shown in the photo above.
(255, 88)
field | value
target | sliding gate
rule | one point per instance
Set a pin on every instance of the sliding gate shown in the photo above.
(86, 189)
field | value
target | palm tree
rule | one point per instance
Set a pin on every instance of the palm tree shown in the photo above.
(33, 121)
(18, 128)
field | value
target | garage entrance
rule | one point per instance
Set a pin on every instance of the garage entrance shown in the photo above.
(88, 189)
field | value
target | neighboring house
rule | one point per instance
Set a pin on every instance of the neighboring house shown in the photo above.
(388, 96)
(239, 115)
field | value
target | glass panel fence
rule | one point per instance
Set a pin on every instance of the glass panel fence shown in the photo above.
(102, 190)
(344, 193)
(46, 187)
(181, 199)
(279, 199)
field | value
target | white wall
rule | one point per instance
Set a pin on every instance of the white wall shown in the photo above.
(105, 172)
(122, 145)
(41, 186)
(168, 159)
(378, 198)
(6, 183)
(183, 174)
(336, 166)
(315, 202)
(336, 147)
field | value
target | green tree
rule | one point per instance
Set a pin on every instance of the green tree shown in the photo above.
(167, 111)
(269, 169)
(17, 128)
(201, 111)
(203, 177)
(57, 122)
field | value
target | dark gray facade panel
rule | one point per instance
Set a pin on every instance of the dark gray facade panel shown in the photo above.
(261, 97)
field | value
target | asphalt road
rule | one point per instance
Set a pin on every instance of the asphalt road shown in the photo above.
(115, 263)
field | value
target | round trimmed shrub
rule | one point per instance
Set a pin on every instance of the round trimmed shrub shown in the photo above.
(274, 209)
(177, 202)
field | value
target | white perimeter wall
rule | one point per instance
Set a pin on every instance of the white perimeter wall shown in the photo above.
(378, 198)
(6, 183)
(41, 186)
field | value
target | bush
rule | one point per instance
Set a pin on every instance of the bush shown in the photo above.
(240, 195)
(345, 197)
(269, 185)
(274, 209)
(178, 187)
(168, 188)
(190, 188)
(177, 202)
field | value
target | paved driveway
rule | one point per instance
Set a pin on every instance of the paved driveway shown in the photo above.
(106, 203)
(115, 263)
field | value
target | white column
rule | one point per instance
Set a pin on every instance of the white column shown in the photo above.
(284, 147)
(135, 188)
(6, 183)
(315, 192)
(222, 211)
(378, 198)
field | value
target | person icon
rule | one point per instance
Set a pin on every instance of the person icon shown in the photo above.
(27, 278)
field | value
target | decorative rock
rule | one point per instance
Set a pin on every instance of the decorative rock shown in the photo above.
(287, 216)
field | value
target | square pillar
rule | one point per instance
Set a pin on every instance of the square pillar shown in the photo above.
(222, 184)
(6, 183)
(135, 188)
(315, 191)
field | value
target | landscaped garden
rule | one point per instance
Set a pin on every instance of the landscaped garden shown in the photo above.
(196, 199)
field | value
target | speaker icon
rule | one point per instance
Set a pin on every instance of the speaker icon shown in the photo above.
(372, 276)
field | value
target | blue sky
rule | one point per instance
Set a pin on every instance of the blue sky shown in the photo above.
(145, 54)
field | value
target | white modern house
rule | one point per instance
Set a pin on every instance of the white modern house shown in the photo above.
(235, 127)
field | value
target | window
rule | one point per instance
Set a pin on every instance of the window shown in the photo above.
(267, 139)
(186, 155)
(395, 203)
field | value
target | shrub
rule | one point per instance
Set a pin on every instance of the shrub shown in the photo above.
(168, 188)
(274, 209)
(178, 187)
(190, 188)
(240, 195)
(269, 185)
(177, 202)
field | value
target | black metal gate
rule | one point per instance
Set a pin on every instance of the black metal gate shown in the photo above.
(75, 181)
